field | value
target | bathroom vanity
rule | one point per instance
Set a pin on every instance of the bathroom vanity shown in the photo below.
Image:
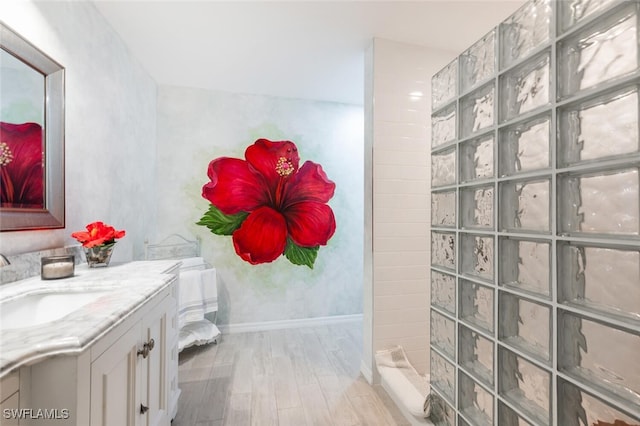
(98, 348)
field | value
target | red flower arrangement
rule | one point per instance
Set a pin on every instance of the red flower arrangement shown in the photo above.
(98, 234)
(269, 205)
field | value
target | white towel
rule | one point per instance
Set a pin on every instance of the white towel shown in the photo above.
(191, 307)
(209, 290)
(197, 333)
(392, 357)
(192, 263)
(198, 295)
(413, 387)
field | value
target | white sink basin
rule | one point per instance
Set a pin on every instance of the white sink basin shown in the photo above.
(41, 308)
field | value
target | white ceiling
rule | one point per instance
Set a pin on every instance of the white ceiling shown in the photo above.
(298, 49)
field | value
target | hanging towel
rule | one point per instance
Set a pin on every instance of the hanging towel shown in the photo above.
(198, 294)
(192, 263)
(191, 306)
(209, 290)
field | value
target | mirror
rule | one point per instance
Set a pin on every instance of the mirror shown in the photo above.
(31, 136)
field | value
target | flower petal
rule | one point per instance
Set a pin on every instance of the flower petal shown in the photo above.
(264, 154)
(81, 236)
(310, 224)
(234, 187)
(262, 236)
(309, 184)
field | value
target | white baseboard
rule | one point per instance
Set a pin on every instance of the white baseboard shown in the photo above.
(294, 323)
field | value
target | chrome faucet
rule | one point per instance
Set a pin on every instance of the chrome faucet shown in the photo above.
(4, 261)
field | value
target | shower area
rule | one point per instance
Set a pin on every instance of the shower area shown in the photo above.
(535, 223)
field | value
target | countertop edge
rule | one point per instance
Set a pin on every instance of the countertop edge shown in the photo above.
(76, 342)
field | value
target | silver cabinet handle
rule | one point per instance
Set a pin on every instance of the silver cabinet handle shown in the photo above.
(146, 348)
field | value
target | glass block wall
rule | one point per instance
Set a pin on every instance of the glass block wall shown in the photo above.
(535, 279)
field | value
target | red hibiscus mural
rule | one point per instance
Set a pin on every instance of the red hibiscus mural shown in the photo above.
(21, 166)
(269, 205)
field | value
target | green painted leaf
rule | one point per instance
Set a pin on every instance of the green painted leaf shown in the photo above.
(301, 255)
(220, 223)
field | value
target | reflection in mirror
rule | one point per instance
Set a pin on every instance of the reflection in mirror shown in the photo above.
(31, 136)
(21, 146)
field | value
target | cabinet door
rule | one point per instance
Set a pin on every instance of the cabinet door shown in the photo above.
(154, 366)
(114, 375)
(7, 409)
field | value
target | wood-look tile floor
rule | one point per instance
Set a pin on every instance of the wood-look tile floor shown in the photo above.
(297, 377)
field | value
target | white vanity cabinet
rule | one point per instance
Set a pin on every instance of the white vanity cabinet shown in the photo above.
(127, 377)
(9, 398)
(129, 380)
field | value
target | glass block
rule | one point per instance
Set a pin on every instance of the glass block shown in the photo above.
(444, 85)
(476, 110)
(526, 265)
(574, 11)
(525, 325)
(443, 250)
(443, 291)
(443, 334)
(575, 403)
(604, 279)
(525, 88)
(525, 30)
(525, 146)
(443, 168)
(476, 305)
(443, 376)
(477, 256)
(606, 50)
(524, 385)
(475, 354)
(508, 417)
(477, 207)
(525, 205)
(588, 129)
(478, 62)
(603, 356)
(443, 126)
(474, 401)
(599, 203)
(443, 208)
(476, 158)
(442, 414)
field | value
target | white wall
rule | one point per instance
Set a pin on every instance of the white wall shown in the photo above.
(399, 105)
(196, 126)
(117, 172)
(110, 125)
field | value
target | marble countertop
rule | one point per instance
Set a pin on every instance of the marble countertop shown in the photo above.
(127, 287)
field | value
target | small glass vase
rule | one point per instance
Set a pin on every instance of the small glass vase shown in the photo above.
(99, 256)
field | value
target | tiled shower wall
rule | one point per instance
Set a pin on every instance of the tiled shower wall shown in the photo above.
(535, 242)
(399, 96)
